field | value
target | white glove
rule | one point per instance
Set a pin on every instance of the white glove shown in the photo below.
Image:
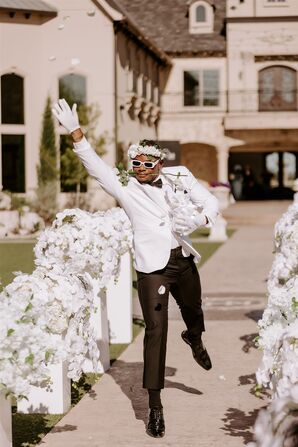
(185, 225)
(66, 116)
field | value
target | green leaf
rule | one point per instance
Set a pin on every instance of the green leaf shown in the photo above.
(10, 332)
(256, 340)
(68, 219)
(48, 354)
(29, 359)
(29, 307)
(294, 304)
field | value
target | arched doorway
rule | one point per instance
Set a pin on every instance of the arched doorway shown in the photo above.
(263, 174)
(201, 159)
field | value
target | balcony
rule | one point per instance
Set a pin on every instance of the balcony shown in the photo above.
(261, 120)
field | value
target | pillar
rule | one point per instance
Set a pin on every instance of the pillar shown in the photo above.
(50, 399)
(5, 421)
(119, 303)
(222, 163)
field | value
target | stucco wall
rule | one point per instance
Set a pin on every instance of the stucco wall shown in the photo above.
(41, 54)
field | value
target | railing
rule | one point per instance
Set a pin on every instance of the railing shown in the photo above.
(232, 101)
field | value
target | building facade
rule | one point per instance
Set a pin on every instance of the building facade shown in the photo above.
(215, 78)
(87, 52)
(231, 96)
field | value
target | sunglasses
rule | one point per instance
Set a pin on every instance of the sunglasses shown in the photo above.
(146, 164)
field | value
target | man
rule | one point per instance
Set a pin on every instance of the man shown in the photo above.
(163, 205)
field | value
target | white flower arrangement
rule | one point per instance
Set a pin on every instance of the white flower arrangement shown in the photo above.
(154, 151)
(280, 316)
(79, 241)
(277, 425)
(278, 338)
(45, 316)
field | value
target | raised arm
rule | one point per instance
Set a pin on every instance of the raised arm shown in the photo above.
(97, 168)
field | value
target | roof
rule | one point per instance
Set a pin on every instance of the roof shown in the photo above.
(165, 22)
(27, 5)
(128, 23)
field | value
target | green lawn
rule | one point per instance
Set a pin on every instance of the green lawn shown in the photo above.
(15, 256)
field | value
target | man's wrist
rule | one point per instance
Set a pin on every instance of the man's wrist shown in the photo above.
(77, 135)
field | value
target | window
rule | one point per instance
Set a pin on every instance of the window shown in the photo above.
(200, 17)
(201, 13)
(13, 163)
(72, 87)
(277, 89)
(201, 88)
(12, 99)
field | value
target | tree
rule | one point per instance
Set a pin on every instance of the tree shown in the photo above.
(47, 168)
(47, 173)
(73, 174)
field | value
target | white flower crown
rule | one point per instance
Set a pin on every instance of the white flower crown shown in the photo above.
(138, 149)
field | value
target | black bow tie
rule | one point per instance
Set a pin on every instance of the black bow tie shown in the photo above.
(158, 183)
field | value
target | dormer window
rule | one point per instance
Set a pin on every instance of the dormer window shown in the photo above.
(200, 18)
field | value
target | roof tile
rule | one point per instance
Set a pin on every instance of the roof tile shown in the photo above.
(165, 22)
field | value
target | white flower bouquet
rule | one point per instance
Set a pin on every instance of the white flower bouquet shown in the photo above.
(45, 316)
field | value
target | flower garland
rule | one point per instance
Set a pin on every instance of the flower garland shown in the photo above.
(277, 425)
(45, 316)
(280, 316)
(147, 149)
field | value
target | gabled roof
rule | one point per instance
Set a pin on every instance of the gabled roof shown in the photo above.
(127, 23)
(165, 22)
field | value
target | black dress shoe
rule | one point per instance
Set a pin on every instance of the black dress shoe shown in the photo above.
(199, 351)
(156, 423)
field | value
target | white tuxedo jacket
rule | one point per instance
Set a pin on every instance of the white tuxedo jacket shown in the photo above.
(147, 208)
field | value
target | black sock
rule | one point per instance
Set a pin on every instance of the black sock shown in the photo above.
(154, 398)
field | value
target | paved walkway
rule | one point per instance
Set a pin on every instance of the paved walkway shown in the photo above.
(215, 408)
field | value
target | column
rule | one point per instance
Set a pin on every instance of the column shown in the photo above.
(119, 304)
(54, 398)
(100, 326)
(222, 163)
(5, 422)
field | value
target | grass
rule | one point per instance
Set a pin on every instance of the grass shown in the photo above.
(204, 233)
(15, 256)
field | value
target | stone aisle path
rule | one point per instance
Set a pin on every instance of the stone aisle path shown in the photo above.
(204, 409)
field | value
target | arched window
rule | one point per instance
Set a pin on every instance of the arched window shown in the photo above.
(200, 13)
(200, 17)
(12, 99)
(277, 89)
(72, 87)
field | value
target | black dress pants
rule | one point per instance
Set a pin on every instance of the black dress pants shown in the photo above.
(180, 277)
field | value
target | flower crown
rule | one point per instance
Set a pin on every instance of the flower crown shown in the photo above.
(144, 148)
